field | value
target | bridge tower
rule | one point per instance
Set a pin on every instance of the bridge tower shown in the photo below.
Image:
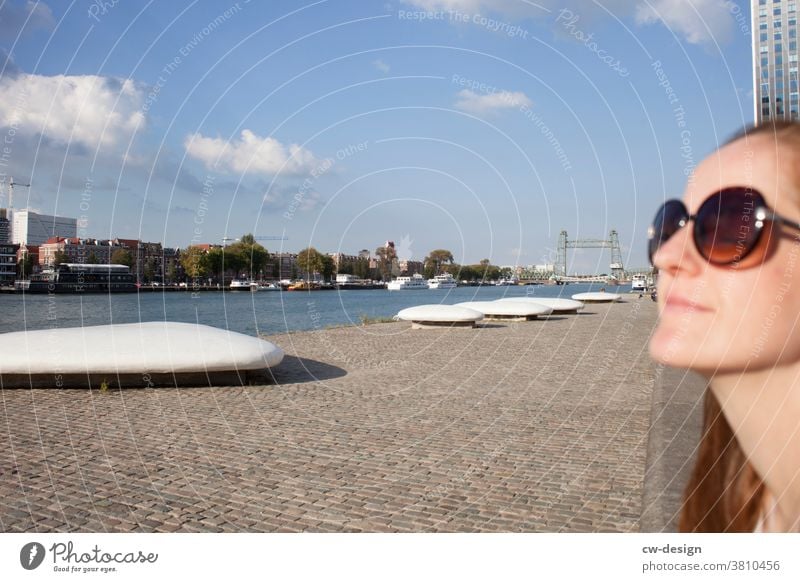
(612, 242)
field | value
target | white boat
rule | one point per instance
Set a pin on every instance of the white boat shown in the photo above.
(242, 285)
(639, 283)
(416, 281)
(505, 281)
(444, 281)
(267, 287)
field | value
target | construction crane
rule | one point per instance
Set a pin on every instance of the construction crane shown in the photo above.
(226, 239)
(11, 185)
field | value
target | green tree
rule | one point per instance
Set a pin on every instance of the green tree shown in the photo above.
(194, 262)
(172, 273)
(436, 260)
(386, 257)
(25, 266)
(122, 257)
(361, 268)
(248, 255)
(215, 259)
(149, 272)
(92, 259)
(454, 269)
(468, 273)
(310, 261)
(328, 267)
(59, 258)
(484, 271)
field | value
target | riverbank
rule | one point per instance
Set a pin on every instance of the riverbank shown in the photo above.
(535, 426)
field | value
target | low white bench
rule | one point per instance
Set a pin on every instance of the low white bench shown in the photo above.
(436, 315)
(557, 304)
(143, 355)
(508, 310)
(597, 297)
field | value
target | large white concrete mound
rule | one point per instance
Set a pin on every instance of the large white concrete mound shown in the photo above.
(156, 353)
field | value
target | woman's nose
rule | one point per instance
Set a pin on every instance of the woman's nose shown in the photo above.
(678, 253)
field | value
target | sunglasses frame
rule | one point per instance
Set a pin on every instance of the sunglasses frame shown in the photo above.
(762, 213)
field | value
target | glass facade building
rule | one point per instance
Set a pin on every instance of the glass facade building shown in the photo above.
(775, 84)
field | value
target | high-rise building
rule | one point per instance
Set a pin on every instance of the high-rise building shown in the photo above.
(775, 84)
(8, 264)
(5, 226)
(32, 228)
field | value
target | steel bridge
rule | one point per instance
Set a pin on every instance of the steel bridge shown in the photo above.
(612, 242)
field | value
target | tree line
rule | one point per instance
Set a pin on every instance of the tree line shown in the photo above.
(248, 258)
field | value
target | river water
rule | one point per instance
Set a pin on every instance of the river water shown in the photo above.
(245, 312)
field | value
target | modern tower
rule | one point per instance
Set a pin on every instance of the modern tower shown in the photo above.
(32, 228)
(775, 87)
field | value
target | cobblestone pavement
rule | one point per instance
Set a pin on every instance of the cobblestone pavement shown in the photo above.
(535, 426)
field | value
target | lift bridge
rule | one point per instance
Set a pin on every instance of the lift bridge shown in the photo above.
(612, 242)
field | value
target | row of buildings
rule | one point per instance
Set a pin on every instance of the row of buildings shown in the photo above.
(44, 240)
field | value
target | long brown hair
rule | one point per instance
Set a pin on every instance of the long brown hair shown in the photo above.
(725, 493)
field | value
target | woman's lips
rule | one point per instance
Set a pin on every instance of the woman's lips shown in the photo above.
(678, 303)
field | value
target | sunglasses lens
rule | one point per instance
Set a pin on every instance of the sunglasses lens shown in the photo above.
(668, 221)
(725, 230)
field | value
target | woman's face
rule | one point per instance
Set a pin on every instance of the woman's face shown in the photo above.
(730, 318)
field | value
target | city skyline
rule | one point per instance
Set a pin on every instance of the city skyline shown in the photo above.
(482, 126)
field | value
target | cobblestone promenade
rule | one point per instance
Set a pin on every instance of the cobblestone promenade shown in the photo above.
(535, 426)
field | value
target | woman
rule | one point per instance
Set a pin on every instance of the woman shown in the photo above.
(728, 258)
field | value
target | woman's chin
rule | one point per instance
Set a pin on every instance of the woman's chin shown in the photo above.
(672, 347)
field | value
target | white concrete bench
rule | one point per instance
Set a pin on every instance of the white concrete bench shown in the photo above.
(155, 353)
(436, 315)
(508, 310)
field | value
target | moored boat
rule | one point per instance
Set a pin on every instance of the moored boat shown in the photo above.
(416, 281)
(81, 278)
(443, 281)
(241, 285)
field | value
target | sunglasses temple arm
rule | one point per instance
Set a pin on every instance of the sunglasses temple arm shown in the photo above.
(784, 221)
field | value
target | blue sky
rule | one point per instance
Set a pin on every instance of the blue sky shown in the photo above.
(481, 126)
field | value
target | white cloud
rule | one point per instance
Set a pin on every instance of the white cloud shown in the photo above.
(489, 102)
(381, 66)
(699, 21)
(24, 19)
(507, 7)
(250, 153)
(88, 110)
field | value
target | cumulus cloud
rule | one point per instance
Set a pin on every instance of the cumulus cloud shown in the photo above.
(250, 153)
(490, 102)
(87, 110)
(16, 19)
(699, 21)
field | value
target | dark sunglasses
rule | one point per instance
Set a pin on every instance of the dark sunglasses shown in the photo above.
(727, 227)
